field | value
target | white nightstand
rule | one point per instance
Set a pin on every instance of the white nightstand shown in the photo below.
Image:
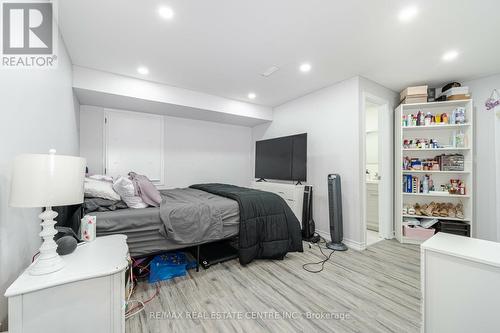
(87, 295)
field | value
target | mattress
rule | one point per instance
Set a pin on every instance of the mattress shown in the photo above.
(142, 227)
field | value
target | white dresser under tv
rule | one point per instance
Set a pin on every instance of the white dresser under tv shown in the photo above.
(292, 194)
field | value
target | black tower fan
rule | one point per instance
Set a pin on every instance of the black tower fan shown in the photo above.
(335, 209)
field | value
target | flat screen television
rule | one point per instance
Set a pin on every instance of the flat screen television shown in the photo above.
(282, 158)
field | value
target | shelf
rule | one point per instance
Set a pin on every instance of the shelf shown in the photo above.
(436, 195)
(435, 171)
(434, 149)
(437, 217)
(442, 132)
(430, 105)
(436, 127)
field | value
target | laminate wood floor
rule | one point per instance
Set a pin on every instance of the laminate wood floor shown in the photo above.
(377, 290)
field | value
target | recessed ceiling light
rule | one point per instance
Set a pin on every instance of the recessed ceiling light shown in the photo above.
(143, 70)
(408, 13)
(305, 67)
(450, 55)
(252, 95)
(166, 12)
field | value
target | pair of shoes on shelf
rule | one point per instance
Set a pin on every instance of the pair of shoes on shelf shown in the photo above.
(435, 210)
(460, 211)
(438, 210)
(409, 210)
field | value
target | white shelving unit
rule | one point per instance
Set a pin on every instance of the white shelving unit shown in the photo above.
(435, 127)
(432, 171)
(434, 149)
(437, 195)
(443, 134)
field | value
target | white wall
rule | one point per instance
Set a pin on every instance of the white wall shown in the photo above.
(38, 113)
(200, 151)
(372, 152)
(374, 92)
(196, 151)
(92, 136)
(330, 118)
(487, 132)
(371, 116)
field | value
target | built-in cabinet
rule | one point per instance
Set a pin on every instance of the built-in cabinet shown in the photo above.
(193, 151)
(133, 141)
(115, 142)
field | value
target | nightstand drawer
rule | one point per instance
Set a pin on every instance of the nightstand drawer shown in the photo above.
(86, 295)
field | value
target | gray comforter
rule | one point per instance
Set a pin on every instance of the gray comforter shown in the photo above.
(191, 216)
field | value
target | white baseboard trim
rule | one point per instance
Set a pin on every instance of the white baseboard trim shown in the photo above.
(358, 246)
(350, 243)
(325, 235)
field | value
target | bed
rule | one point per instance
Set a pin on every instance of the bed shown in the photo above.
(264, 223)
(144, 227)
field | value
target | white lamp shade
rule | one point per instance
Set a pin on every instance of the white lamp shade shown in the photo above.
(40, 180)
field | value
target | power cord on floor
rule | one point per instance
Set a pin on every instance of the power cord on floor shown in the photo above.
(131, 309)
(322, 262)
(135, 310)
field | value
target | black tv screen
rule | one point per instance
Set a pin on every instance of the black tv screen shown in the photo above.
(282, 158)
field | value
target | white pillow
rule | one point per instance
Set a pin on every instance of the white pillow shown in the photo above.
(100, 189)
(102, 177)
(125, 188)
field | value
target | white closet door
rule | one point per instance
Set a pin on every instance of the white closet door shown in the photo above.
(134, 142)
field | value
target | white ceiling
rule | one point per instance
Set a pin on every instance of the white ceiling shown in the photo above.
(221, 46)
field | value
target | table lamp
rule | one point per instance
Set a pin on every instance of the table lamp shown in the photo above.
(46, 180)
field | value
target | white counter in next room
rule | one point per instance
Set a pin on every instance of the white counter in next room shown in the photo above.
(372, 204)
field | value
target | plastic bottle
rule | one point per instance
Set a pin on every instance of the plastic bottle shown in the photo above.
(460, 139)
(425, 184)
(428, 119)
(460, 115)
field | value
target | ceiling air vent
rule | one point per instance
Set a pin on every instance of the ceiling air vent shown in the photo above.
(270, 71)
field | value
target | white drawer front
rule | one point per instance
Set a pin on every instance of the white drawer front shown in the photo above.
(286, 194)
(292, 194)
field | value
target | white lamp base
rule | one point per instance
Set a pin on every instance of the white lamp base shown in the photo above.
(48, 261)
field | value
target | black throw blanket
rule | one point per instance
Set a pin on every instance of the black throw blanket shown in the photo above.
(268, 227)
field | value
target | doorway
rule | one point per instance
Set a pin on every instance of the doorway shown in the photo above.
(378, 163)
